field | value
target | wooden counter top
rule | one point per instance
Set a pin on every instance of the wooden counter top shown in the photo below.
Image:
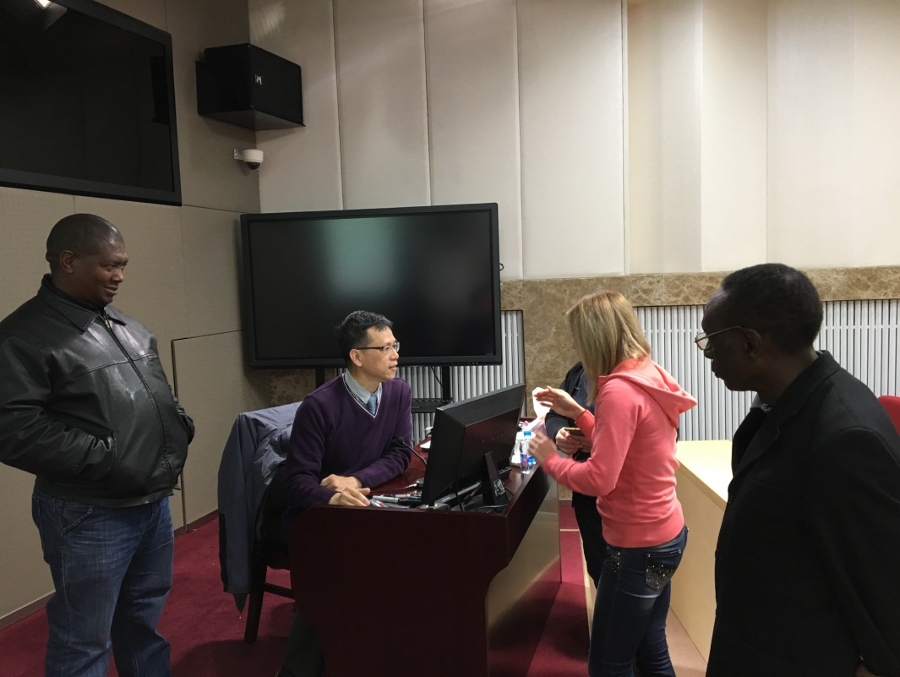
(708, 462)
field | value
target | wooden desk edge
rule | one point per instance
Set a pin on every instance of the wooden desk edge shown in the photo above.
(691, 455)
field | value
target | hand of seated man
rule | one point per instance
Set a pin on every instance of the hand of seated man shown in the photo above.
(350, 496)
(339, 482)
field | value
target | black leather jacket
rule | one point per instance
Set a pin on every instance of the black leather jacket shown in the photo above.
(85, 404)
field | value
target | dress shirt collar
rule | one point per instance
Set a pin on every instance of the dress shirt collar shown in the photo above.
(359, 393)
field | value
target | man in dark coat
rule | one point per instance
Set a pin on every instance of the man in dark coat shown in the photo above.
(808, 556)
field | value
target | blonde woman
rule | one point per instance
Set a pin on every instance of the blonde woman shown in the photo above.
(632, 472)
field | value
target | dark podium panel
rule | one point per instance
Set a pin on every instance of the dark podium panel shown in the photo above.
(424, 592)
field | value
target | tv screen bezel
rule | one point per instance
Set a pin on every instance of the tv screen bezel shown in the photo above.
(495, 358)
(62, 184)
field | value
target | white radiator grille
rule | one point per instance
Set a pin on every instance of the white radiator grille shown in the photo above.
(466, 382)
(863, 336)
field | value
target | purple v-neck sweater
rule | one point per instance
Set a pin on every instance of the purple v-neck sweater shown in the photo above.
(333, 434)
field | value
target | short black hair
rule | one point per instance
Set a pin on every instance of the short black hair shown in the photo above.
(352, 332)
(776, 300)
(80, 233)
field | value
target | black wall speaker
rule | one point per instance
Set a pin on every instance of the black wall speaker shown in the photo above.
(249, 87)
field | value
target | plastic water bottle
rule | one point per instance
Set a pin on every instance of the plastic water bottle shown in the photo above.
(526, 460)
(516, 457)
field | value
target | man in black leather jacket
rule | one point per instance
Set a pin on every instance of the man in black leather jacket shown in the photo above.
(85, 406)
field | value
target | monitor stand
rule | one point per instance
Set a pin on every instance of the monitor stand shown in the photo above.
(493, 491)
(426, 405)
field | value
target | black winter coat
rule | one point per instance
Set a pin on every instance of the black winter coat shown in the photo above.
(808, 557)
(85, 404)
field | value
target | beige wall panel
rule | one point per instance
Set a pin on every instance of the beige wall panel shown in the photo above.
(25, 577)
(733, 134)
(151, 12)
(571, 82)
(211, 246)
(154, 288)
(26, 217)
(210, 176)
(572, 109)
(876, 168)
(214, 387)
(664, 87)
(473, 109)
(302, 168)
(381, 99)
(812, 220)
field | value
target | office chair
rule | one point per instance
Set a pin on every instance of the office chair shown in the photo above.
(269, 551)
(892, 405)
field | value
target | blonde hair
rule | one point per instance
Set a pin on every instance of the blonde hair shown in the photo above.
(606, 332)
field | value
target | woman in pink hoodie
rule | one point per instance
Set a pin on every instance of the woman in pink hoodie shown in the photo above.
(632, 472)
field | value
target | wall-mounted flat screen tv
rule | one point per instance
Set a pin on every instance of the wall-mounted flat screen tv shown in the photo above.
(87, 102)
(433, 271)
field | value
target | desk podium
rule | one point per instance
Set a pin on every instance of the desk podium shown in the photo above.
(426, 592)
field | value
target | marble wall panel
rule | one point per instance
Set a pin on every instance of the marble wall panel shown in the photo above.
(291, 385)
(853, 284)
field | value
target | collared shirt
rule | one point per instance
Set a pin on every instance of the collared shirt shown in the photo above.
(757, 403)
(359, 393)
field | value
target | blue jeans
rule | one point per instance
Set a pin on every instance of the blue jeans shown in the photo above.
(112, 571)
(630, 610)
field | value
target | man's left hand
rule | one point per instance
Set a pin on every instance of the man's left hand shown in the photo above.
(340, 483)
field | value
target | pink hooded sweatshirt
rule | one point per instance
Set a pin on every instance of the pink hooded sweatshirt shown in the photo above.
(632, 464)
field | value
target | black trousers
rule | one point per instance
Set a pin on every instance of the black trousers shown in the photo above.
(591, 528)
(303, 656)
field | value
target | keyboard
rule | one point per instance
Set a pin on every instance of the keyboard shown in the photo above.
(414, 498)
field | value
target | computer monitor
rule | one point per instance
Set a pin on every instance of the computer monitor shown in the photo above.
(470, 440)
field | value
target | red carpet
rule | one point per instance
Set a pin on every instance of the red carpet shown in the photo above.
(564, 644)
(206, 631)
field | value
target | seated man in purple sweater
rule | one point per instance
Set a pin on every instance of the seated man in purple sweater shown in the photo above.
(350, 434)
